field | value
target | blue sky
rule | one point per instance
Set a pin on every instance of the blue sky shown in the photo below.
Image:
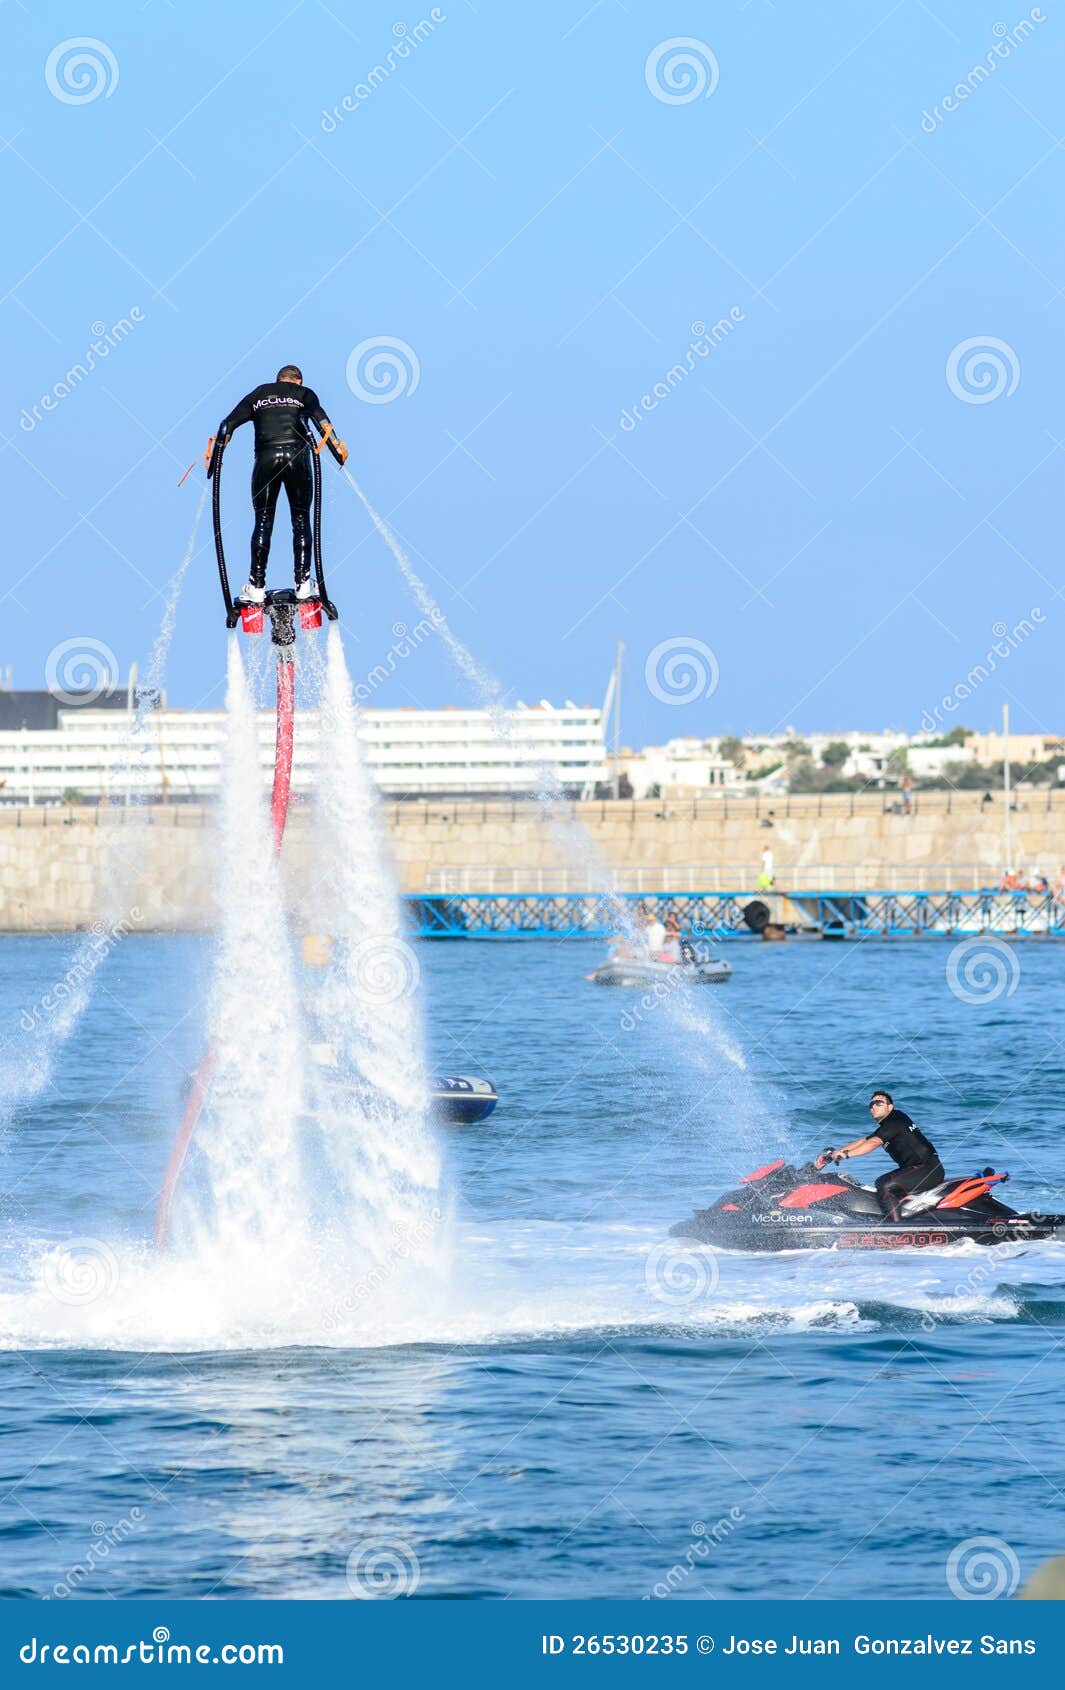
(815, 501)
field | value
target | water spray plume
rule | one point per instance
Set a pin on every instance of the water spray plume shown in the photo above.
(367, 1004)
(311, 1169)
(713, 1061)
(245, 1138)
(487, 688)
(27, 1067)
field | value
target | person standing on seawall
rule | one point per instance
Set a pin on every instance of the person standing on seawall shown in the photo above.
(766, 878)
(281, 412)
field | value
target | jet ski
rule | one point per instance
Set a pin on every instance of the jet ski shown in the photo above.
(780, 1207)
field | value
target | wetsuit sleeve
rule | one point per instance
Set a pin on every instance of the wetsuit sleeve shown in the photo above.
(313, 407)
(241, 413)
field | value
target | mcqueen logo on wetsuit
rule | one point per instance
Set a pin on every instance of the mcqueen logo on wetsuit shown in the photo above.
(274, 399)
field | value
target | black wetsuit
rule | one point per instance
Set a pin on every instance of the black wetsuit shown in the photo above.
(918, 1165)
(281, 412)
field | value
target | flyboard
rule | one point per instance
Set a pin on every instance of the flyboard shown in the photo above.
(282, 612)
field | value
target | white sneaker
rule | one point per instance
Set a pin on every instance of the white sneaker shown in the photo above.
(252, 594)
(306, 590)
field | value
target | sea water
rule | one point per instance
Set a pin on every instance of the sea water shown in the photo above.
(578, 1411)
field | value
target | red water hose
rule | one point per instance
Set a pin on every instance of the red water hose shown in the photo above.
(286, 698)
(179, 1148)
(286, 693)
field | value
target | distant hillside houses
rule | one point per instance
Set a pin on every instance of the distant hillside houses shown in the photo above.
(844, 760)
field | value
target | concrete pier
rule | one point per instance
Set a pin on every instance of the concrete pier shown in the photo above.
(61, 869)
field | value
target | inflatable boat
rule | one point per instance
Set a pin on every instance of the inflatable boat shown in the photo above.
(648, 972)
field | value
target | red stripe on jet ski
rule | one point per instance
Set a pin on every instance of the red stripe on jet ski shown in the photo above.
(760, 1173)
(803, 1195)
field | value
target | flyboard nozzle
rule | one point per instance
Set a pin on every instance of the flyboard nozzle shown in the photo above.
(280, 607)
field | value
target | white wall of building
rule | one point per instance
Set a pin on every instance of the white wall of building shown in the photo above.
(688, 765)
(927, 761)
(410, 753)
(696, 765)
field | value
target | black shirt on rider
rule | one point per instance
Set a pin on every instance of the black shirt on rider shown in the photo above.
(279, 412)
(904, 1142)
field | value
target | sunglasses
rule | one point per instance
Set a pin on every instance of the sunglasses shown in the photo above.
(880, 1103)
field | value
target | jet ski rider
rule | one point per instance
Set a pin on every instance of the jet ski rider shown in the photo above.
(918, 1167)
(281, 411)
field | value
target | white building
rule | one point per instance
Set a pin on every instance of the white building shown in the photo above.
(680, 768)
(928, 762)
(868, 754)
(411, 753)
(687, 767)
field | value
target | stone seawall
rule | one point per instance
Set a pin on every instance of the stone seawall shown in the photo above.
(62, 869)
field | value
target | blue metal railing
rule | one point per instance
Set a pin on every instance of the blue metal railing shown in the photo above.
(719, 915)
